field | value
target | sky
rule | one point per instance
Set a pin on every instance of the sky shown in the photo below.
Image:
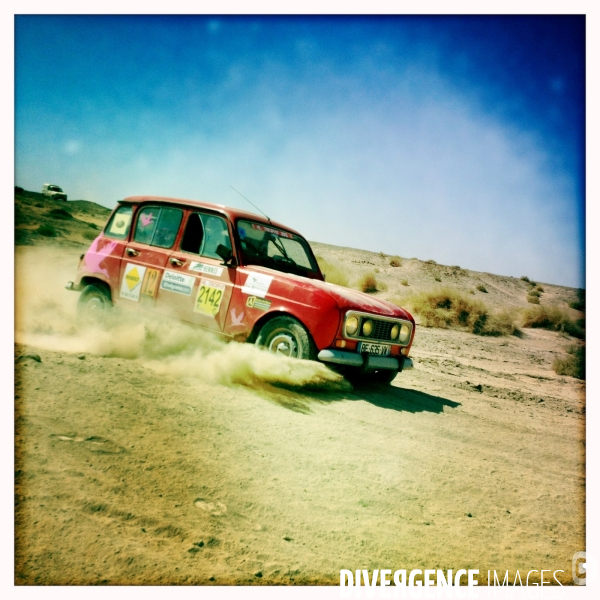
(454, 138)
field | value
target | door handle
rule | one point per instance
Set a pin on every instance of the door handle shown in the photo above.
(132, 252)
(176, 262)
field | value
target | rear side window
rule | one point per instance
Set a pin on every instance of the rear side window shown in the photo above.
(204, 234)
(157, 226)
(119, 224)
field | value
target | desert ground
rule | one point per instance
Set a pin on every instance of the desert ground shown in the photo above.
(150, 453)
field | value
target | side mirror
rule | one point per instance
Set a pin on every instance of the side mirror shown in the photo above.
(227, 255)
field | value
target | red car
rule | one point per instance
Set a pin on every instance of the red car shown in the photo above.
(244, 277)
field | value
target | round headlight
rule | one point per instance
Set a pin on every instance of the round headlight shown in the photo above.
(395, 331)
(351, 325)
(404, 333)
(367, 328)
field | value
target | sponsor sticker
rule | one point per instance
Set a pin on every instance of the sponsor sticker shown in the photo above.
(176, 282)
(132, 281)
(257, 284)
(199, 267)
(150, 283)
(259, 303)
(208, 300)
(120, 224)
(278, 232)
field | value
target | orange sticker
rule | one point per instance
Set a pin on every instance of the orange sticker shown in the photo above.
(150, 283)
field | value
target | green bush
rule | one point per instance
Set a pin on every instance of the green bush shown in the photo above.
(90, 235)
(404, 281)
(572, 365)
(447, 308)
(482, 288)
(47, 230)
(553, 318)
(333, 274)
(60, 213)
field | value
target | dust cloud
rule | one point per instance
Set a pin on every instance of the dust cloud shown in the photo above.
(46, 317)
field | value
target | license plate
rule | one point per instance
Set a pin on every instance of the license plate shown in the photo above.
(378, 349)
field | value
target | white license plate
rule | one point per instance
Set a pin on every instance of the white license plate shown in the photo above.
(378, 349)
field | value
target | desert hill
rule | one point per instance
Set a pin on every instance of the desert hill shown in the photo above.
(76, 223)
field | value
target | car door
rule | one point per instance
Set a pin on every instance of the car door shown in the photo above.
(146, 255)
(195, 263)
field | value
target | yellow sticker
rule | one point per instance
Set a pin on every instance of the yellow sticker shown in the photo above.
(150, 283)
(208, 300)
(132, 278)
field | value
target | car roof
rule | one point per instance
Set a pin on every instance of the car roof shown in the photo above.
(232, 213)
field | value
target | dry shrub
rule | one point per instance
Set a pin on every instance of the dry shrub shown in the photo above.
(553, 318)
(90, 235)
(395, 261)
(333, 274)
(370, 285)
(572, 365)
(533, 299)
(579, 304)
(404, 281)
(482, 288)
(449, 309)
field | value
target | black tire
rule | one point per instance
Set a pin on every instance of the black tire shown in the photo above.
(288, 337)
(94, 303)
(381, 377)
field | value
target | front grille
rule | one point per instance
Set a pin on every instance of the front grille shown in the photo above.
(381, 330)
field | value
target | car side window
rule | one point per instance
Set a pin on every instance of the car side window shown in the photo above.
(119, 224)
(158, 226)
(204, 234)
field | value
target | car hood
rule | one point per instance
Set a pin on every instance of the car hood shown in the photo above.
(346, 298)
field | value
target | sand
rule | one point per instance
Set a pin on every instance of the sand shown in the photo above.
(149, 453)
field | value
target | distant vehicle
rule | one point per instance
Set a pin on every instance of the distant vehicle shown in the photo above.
(244, 277)
(53, 191)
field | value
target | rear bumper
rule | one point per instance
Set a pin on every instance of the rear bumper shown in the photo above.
(368, 362)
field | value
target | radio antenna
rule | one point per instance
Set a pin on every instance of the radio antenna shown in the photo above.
(256, 207)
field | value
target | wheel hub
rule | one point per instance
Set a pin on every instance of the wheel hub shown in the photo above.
(285, 344)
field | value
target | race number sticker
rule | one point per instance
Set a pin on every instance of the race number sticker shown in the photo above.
(199, 267)
(176, 282)
(257, 284)
(208, 300)
(132, 281)
(150, 283)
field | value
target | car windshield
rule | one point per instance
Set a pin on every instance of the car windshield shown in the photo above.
(275, 248)
(54, 188)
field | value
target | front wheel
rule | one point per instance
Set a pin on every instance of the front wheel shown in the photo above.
(94, 303)
(287, 337)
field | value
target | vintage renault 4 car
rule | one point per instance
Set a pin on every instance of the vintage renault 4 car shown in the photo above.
(244, 277)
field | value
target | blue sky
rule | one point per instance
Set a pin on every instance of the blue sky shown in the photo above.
(458, 139)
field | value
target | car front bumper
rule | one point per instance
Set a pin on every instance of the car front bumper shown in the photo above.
(367, 362)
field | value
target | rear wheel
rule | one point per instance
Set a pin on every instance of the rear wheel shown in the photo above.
(94, 303)
(286, 336)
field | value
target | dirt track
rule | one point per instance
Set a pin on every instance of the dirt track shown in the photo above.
(167, 469)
